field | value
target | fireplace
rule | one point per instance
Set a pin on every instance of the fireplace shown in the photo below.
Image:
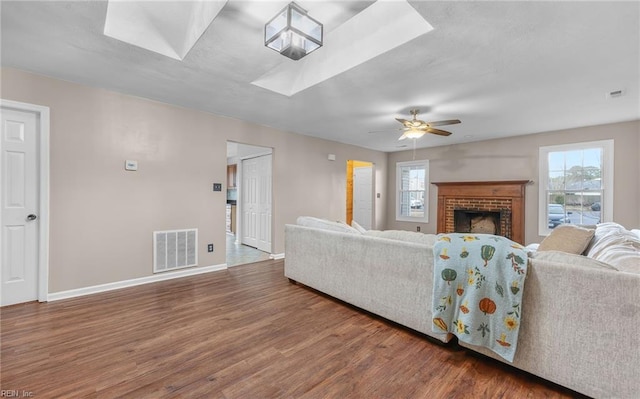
(483, 222)
(492, 207)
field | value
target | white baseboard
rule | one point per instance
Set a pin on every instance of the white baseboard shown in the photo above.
(56, 296)
(276, 256)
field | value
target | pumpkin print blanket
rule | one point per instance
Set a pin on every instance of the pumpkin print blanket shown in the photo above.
(477, 292)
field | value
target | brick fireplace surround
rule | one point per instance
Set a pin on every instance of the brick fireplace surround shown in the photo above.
(503, 197)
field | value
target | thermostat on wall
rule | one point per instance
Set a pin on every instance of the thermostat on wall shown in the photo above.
(130, 165)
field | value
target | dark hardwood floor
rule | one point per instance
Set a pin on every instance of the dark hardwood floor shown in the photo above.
(245, 332)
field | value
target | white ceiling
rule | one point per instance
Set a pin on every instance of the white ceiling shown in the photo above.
(503, 68)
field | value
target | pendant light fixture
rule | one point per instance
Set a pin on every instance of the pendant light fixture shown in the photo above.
(293, 33)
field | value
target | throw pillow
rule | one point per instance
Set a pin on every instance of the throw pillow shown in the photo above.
(604, 229)
(567, 238)
(611, 238)
(623, 253)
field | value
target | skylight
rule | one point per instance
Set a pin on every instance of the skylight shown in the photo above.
(170, 28)
(379, 28)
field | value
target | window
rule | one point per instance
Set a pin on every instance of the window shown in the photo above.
(412, 191)
(576, 184)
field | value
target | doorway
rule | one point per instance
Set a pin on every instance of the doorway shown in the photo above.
(360, 193)
(24, 182)
(249, 202)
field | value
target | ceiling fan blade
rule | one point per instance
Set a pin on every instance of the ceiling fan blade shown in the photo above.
(405, 122)
(442, 123)
(415, 127)
(438, 132)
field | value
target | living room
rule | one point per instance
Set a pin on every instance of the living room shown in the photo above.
(101, 217)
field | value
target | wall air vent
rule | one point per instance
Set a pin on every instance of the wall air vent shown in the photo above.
(174, 249)
(615, 94)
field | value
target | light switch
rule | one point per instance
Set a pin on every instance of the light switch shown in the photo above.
(130, 165)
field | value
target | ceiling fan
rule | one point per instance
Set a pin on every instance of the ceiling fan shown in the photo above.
(416, 128)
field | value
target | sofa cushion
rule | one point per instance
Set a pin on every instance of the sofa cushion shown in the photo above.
(567, 238)
(309, 221)
(403, 235)
(570, 259)
(625, 258)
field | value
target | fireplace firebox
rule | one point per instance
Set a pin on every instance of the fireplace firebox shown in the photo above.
(491, 207)
(483, 222)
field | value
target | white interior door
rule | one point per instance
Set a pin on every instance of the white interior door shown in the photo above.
(249, 202)
(264, 203)
(256, 202)
(363, 196)
(19, 209)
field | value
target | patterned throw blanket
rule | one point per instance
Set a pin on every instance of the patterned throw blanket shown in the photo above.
(477, 293)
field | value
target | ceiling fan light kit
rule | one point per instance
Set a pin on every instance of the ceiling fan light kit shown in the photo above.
(293, 33)
(412, 134)
(416, 128)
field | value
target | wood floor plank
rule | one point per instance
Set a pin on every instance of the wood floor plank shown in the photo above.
(245, 332)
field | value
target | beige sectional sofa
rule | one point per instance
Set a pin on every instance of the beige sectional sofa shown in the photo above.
(581, 317)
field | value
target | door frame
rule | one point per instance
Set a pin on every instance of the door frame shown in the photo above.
(351, 165)
(43, 159)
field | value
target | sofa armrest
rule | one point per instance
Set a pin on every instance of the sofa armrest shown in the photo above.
(390, 278)
(579, 328)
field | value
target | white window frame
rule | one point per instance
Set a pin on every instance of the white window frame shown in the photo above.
(607, 175)
(425, 165)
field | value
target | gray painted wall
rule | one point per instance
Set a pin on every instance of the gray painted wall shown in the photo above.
(102, 217)
(516, 158)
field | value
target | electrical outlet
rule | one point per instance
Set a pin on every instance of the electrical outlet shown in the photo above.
(210, 248)
(418, 229)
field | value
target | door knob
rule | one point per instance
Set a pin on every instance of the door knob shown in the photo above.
(32, 217)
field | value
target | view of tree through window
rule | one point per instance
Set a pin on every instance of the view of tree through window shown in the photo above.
(575, 188)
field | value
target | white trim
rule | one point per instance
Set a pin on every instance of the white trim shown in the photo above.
(277, 256)
(42, 131)
(399, 217)
(267, 151)
(607, 178)
(56, 296)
